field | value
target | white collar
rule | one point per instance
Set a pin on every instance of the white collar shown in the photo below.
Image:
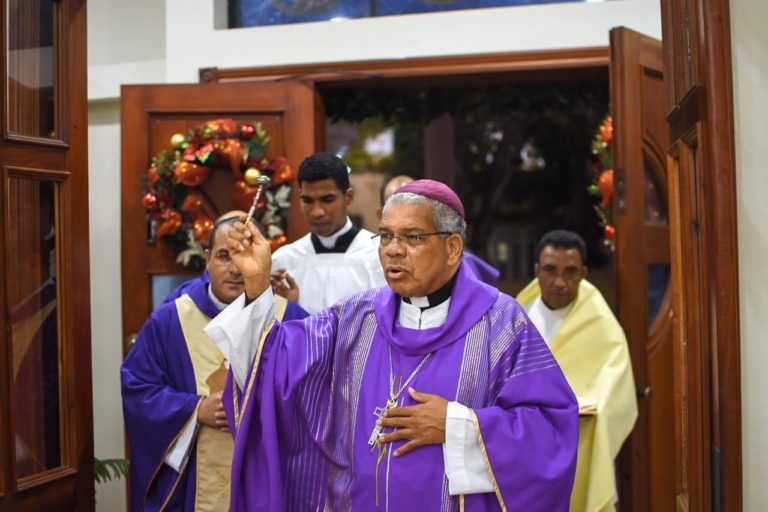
(412, 316)
(219, 304)
(330, 241)
(548, 321)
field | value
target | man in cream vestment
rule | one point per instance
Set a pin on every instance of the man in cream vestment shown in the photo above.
(589, 344)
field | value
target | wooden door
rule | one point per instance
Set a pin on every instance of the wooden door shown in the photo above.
(641, 136)
(46, 431)
(150, 115)
(704, 254)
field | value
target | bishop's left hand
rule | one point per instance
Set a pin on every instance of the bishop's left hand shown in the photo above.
(420, 425)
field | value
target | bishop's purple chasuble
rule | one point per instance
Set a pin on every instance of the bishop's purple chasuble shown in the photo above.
(167, 372)
(304, 421)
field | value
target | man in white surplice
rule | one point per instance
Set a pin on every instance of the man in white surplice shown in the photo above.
(335, 259)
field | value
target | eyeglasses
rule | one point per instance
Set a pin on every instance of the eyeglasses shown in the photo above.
(411, 239)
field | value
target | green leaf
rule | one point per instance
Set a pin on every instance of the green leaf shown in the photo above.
(107, 469)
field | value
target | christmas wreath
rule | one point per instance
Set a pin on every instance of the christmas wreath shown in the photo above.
(602, 179)
(178, 209)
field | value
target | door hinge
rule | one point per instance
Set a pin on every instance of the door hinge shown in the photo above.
(620, 180)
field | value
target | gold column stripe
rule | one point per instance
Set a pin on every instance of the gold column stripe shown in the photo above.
(214, 447)
(488, 461)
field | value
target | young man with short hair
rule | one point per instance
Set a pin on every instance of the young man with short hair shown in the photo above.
(335, 258)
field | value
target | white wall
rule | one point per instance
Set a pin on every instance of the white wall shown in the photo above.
(106, 304)
(150, 41)
(750, 76)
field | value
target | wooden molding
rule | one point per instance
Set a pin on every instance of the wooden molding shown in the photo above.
(333, 72)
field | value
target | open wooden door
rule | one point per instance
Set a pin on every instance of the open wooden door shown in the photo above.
(641, 137)
(150, 115)
(46, 422)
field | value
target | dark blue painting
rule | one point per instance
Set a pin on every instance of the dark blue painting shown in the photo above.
(251, 13)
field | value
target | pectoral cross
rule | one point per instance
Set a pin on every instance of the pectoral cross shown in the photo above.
(379, 413)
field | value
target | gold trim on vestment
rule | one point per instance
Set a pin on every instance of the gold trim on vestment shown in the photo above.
(488, 461)
(281, 304)
(162, 461)
(461, 503)
(214, 447)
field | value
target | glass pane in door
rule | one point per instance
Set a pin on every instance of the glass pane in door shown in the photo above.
(31, 61)
(32, 294)
(655, 202)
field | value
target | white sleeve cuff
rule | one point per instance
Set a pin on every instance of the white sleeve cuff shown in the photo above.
(464, 461)
(238, 329)
(178, 456)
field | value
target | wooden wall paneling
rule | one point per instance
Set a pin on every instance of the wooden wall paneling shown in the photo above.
(702, 99)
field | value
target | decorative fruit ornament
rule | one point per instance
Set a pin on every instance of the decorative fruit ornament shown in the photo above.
(282, 172)
(606, 131)
(609, 232)
(190, 174)
(605, 184)
(152, 175)
(251, 176)
(149, 201)
(170, 222)
(177, 139)
(202, 229)
(247, 131)
(193, 203)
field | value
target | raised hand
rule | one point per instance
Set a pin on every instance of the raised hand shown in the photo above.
(420, 425)
(252, 256)
(284, 284)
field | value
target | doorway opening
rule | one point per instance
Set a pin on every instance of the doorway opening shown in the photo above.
(517, 148)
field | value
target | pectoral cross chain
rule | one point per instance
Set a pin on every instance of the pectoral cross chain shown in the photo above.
(379, 413)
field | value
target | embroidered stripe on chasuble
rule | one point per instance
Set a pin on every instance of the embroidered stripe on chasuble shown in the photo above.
(214, 447)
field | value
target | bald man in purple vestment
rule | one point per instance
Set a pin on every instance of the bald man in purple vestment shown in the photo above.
(181, 446)
(435, 392)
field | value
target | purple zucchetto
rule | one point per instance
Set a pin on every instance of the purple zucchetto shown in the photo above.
(432, 189)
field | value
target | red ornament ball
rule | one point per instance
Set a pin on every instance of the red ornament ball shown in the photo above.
(247, 131)
(609, 232)
(149, 201)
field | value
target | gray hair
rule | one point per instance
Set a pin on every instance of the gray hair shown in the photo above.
(446, 218)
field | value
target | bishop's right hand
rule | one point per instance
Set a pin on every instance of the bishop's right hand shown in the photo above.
(252, 256)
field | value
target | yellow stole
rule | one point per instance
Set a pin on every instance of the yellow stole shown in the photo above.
(214, 447)
(592, 351)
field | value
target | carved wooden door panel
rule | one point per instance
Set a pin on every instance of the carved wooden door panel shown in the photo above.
(641, 136)
(46, 431)
(150, 116)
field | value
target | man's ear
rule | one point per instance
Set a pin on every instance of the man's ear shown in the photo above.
(350, 194)
(536, 269)
(207, 256)
(584, 271)
(455, 249)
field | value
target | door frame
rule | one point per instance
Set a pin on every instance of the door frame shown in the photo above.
(716, 108)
